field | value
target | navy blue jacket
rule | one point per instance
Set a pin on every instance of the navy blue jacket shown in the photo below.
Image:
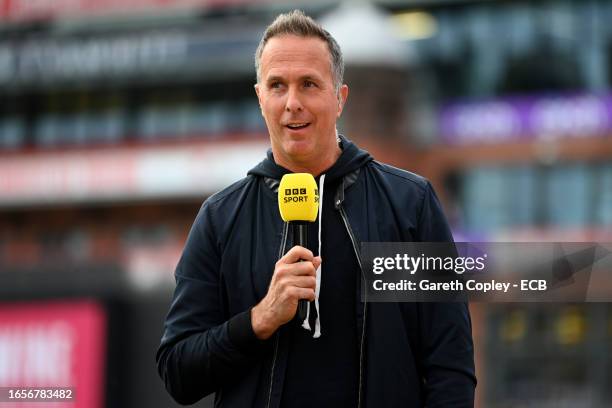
(411, 354)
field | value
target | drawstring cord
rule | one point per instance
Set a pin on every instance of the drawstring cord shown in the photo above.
(305, 323)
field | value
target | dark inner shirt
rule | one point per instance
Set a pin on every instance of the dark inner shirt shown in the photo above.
(324, 372)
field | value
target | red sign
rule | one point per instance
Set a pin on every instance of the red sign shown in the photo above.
(56, 344)
(26, 10)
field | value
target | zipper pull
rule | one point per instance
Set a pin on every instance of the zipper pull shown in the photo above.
(339, 197)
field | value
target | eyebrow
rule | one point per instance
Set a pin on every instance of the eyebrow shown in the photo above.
(302, 78)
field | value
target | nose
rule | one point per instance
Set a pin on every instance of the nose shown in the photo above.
(293, 103)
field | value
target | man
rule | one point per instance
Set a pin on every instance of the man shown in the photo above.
(231, 328)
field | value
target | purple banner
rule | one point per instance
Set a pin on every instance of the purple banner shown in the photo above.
(526, 118)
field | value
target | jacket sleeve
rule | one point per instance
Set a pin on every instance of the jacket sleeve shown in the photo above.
(447, 350)
(202, 347)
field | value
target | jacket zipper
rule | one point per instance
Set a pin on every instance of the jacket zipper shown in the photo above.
(276, 341)
(365, 303)
(277, 335)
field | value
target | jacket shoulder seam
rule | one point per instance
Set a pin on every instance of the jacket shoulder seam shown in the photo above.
(215, 201)
(420, 181)
(233, 188)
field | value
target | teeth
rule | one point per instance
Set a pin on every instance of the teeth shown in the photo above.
(297, 125)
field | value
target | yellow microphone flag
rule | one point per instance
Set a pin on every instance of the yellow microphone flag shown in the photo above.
(298, 197)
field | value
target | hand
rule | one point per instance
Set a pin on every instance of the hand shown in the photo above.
(292, 280)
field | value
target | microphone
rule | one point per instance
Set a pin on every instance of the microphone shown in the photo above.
(298, 202)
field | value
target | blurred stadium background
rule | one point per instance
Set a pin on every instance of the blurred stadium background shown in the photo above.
(118, 118)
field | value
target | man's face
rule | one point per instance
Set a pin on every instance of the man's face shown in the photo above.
(298, 100)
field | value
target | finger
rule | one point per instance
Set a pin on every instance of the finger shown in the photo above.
(302, 293)
(316, 261)
(302, 268)
(295, 269)
(309, 282)
(297, 253)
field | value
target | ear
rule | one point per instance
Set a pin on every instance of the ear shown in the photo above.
(257, 91)
(342, 97)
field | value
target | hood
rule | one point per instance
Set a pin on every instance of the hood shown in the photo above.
(351, 158)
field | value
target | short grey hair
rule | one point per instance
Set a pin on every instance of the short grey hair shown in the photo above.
(297, 23)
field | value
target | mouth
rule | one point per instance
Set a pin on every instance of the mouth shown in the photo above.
(297, 126)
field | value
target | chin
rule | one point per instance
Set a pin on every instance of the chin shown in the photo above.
(299, 147)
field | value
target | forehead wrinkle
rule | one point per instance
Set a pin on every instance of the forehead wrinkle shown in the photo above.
(286, 61)
(280, 43)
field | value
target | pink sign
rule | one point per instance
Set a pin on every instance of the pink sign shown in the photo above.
(25, 10)
(54, 344)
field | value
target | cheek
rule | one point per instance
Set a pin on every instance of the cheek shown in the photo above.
(329, 115)
(266, 112)
(329, 110)
(272, 109)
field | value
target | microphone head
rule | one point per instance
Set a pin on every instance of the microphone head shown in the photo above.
(298, 197)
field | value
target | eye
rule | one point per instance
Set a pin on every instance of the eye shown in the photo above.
(275, 85)
(309, 84)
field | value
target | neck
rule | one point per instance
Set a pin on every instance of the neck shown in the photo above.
(314, 166)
